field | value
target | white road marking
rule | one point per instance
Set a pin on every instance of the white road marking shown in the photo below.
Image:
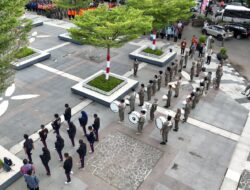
(203, 125)
(58, 72)
(57, 47)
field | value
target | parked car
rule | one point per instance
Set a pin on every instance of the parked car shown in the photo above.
(239, 30)
(217, 31)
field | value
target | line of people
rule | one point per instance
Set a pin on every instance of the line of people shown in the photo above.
(92, 136)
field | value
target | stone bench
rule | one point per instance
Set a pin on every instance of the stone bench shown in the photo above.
(7, 178)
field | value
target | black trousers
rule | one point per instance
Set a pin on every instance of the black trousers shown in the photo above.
(208, 59)
(44, 142)
(60, 154)
(68, 176)
(46, 165)
(96, 134)
(82, 161)
(28, 152)
(72, 140)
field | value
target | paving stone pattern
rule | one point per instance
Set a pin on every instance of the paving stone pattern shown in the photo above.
(245, 180)
(123, 161)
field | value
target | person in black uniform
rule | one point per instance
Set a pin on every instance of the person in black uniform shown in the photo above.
(28, 146)
(67, 166)
(67, 113)
(45, 158)
(82, 152)
(43, 135)
(59, 145)
(91, 138)
(96, 126)
(83, 120)
(72, 132)
(56, 124)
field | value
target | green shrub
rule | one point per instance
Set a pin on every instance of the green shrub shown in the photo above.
(202, 39)
(106, 85)
(223, 51)
(157, 52)
(23, 52)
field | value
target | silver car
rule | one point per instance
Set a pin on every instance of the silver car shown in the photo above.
(217, 31)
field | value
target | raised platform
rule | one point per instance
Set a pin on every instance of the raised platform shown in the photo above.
(7, 178)
(160, 61)
(67, 38)
(36, 23)
(31, 60)
(106, 100)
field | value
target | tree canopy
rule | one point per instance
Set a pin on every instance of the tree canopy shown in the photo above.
(13, 35)
(163, 11)
(110, 28)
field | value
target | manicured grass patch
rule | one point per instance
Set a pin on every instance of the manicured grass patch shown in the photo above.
(24, 52)
(157, 52)
(106, 85)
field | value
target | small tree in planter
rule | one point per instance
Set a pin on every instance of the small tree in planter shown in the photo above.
(222, 55)
(110, 28)
(163, 12)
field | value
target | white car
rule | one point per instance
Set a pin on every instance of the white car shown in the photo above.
(217, 31)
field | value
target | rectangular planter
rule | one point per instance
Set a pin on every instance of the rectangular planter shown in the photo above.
(160, 61)
(67, 38)
(106, 100)
(39, 56)
(7, 178)
(36, 23)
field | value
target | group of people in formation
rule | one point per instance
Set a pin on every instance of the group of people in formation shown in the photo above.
(91, 134)
(172, 79)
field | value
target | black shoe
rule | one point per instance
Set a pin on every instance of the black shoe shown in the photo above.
(175, 130)
(163, 143)
(184, 67)
(140, 105)
(175, 96)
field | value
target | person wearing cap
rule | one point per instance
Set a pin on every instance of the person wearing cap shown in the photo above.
(159, 80)
(187, 109)
(141, 122)
(149, 89)
(153, 109)
(141, 94)
(154, 85)
(186, 59)
(192, 72)
(132, 98)
(121, 107)
(169, 96)
(167, 126)
(136, 66)
(177, 118)
(167, 76)
(177, 87)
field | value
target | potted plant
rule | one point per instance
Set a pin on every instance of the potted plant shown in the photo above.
(222, 55)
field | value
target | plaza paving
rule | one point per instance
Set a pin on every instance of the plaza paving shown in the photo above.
(196, 157)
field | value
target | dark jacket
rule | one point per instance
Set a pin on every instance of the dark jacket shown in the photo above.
(96, 124)
(82, 150)
(83, 120)
(43, 134)
(91, 137)
(56, 124)
(68, 164)
(45, 157)
(59, 144)
(67, 113)
(72, 130)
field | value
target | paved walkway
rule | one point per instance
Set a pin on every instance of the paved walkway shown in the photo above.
(197, 157)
